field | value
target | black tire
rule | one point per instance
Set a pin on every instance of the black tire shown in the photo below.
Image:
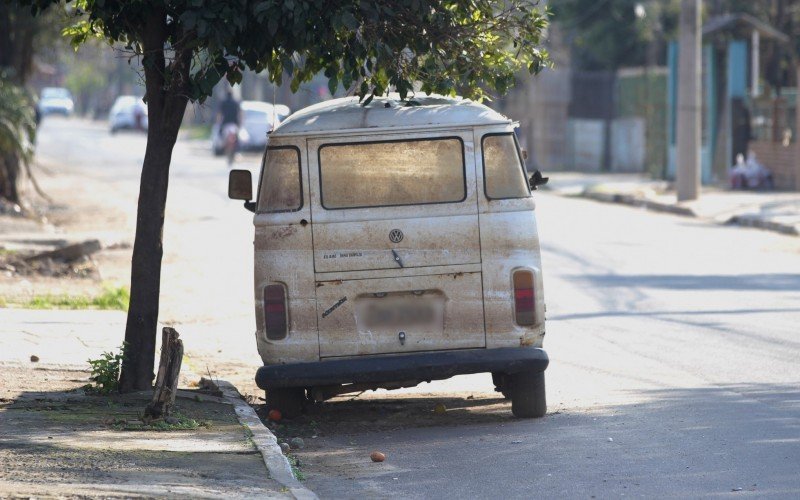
(500, 381)
(527, 394)
(290, 402)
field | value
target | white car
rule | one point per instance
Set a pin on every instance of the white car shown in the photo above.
(128, 112)
(56, 100)
(258, 118)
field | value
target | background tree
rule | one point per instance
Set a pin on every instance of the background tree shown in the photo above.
(611, 34)
(367, 46)
(21, 36)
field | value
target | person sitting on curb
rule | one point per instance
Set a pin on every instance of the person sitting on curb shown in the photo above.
(737, 173)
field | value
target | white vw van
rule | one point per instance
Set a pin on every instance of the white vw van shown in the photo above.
(395, 243)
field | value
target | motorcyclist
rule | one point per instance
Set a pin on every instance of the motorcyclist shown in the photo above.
(229, 118)
(230, 111)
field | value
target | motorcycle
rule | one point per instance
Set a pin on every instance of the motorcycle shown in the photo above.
(230, 135)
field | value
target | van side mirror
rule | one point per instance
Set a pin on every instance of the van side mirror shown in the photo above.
(240, 187)
(537, 180)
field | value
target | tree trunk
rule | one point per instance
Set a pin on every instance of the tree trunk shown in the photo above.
(142, 323)
(166, 103)
(9, 174)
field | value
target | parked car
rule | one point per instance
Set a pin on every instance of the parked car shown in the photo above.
(128, 112)
(395, 244)
(55, 100)
(258, 118)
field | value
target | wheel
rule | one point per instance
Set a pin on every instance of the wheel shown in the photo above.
(527, 394)
(290, 401)
(500, 381)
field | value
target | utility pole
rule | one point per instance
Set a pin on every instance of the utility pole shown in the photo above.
(689, 105)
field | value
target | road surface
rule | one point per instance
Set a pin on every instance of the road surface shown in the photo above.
(674, 346)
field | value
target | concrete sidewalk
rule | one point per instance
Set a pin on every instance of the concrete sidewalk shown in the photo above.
(57, 440)
(770, 210)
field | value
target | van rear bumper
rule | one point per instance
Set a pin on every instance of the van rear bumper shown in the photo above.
(404, 367)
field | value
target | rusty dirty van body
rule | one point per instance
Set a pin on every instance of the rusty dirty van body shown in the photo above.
(395, 243)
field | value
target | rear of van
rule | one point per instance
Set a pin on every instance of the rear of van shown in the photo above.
(388, 255)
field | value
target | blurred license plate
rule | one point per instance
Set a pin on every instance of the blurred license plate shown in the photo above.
(399, 313)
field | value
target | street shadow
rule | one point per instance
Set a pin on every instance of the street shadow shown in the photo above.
(669, 312)
(63, 442)
(749, 282)
(682, 442)
(349, 414)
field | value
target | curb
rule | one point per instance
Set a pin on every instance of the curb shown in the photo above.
(265, 441)
(753, 221)
(737, 220)
(627, 199)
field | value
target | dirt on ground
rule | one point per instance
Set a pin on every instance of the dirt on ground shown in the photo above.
(20, 264)
(59, 440)
(53, 222)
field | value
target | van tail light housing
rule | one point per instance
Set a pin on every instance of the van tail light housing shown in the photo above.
(524, 298)
(276, 317)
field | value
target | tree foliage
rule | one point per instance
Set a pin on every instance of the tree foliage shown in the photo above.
(366, 46)
(17, 121)
(610, 34)
(21, 35)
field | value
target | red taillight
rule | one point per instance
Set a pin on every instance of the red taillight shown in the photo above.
(524, 298)
(275, 318)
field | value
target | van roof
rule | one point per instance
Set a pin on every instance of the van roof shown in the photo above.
(425, 111)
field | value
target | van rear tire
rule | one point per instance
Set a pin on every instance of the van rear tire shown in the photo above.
(527, 394)
(289, 401)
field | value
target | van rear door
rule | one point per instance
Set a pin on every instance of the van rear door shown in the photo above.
(389, 203)
(396, 243)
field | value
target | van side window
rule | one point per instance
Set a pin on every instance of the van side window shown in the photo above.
(281, 181)
(392, 173)
(503, 171)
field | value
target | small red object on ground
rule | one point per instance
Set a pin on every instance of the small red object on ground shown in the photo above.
(377, 456)
(274, 415)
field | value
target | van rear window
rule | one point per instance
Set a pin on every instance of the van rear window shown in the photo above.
(281, 181)
(503, 171)
(392, 173)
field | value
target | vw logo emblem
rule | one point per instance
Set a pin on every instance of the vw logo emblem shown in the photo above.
(396, 235)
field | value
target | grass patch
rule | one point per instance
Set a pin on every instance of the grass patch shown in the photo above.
(111, 299)
(194, 132)
(294, 463)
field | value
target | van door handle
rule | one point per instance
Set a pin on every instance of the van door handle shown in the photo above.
(397, 258)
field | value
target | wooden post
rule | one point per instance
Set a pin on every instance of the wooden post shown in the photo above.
(169, 368)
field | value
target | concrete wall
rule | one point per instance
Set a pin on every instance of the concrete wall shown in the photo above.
(782, 160)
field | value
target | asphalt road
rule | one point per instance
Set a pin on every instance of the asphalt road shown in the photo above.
(675, 371)
(674, 345)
